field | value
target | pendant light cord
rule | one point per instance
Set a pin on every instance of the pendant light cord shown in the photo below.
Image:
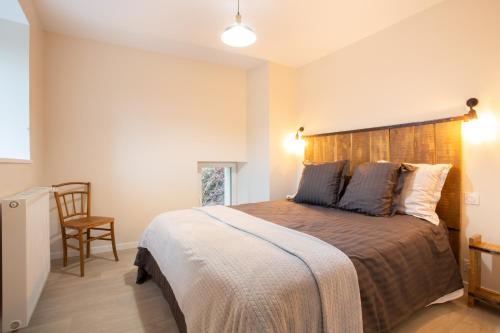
(238, 16)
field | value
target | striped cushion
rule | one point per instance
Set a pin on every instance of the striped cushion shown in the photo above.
(320, 183)
(371, 189)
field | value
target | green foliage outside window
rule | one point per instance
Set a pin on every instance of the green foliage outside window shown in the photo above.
(212, 183)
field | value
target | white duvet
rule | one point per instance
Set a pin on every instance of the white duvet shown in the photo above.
(232, 272)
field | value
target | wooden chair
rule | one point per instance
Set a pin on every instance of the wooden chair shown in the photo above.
(76, 216)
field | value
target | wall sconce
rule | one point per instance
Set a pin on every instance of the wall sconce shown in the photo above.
(476, 129)
(294, 143)
(299, 133)
(472, 114)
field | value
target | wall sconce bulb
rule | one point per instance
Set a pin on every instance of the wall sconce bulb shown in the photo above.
(294, 142)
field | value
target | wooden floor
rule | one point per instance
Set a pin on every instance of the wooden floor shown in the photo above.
(108, 300)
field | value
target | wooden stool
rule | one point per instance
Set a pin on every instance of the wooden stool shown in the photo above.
(475, 292)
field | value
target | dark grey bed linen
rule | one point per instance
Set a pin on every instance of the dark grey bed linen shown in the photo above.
(403, 263)
(148, 268)
(320, 184)
(371, 189)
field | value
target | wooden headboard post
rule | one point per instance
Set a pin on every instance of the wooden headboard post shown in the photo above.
(437, 141)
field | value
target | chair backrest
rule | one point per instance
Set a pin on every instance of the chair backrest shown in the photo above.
(74, 201)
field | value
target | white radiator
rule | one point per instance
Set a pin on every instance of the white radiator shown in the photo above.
(25, 254)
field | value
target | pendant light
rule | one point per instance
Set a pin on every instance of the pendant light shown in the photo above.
(238, 34)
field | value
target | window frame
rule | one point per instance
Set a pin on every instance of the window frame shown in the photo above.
(26, 39)
(234, 184)
(15, 161)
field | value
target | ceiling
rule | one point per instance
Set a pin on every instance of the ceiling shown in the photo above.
(11, 10)
(289, 32)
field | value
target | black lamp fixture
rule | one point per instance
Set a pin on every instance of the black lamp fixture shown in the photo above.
(472, 114)
(299, 133)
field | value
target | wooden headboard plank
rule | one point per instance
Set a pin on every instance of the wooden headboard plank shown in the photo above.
(425, 144)
(379, 145)
(360, 148)
(402, 147)
(330, 149)
(428, 142)
(343, 142)
(448, 150)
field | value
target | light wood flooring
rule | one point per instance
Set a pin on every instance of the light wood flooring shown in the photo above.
(108, 300)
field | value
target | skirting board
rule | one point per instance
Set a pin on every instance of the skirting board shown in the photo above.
(96, 249)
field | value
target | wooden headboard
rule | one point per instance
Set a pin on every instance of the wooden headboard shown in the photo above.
(431, 142)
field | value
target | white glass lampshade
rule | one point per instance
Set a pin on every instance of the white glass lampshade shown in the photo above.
(238, 35)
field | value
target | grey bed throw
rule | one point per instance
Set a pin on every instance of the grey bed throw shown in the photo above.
(233, 272)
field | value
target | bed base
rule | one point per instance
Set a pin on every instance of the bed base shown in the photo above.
(147, 268)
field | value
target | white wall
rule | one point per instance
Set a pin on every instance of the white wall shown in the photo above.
(422, 68)
(270, 171)
(135, 124)
(282, 123)
(253, 178)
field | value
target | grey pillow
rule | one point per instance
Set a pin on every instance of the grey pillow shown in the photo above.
(320, 183)
(372, 189)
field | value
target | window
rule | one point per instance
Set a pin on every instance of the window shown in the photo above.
(14, 91)
(218, 183)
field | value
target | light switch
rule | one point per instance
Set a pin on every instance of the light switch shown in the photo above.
(471, 198)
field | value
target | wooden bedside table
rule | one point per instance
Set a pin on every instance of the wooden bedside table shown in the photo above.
(475, 292)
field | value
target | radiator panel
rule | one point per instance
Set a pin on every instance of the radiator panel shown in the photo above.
(25, 254)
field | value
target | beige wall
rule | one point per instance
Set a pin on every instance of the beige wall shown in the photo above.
(18, 177)
(282, 122)
(270, 171)
(422, 68)
(253, 176)
(135, 124)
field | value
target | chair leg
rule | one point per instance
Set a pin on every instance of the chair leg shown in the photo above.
(80, 241)
(88, 243)
(65, 247)
(113, 243)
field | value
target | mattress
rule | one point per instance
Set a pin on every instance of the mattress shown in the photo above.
(403, 263)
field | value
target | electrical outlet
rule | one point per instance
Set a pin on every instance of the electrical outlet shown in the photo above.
(471, 198)
(465, 266)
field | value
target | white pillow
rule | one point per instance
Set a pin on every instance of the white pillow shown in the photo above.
(422, 191)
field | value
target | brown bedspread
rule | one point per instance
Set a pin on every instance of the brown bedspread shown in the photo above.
(403, 263)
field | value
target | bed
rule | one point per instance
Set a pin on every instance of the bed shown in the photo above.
(401, 263)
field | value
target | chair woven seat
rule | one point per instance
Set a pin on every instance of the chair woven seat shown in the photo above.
(88, 222)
